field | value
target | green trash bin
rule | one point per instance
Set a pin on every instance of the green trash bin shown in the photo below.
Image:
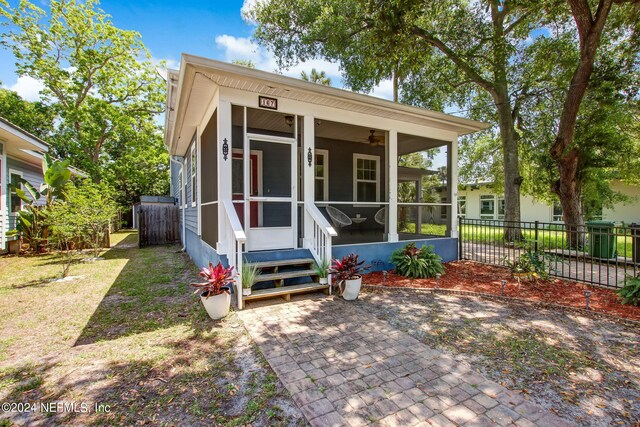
(602, 239)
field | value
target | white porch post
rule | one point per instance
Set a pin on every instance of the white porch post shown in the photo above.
(224, 169)
(393, 186)
(308, 187)
(452, 180)
(419, 200)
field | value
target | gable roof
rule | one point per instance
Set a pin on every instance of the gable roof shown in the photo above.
(195, 70)
(21, 144)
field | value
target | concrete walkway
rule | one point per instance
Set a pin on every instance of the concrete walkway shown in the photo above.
(345, 367)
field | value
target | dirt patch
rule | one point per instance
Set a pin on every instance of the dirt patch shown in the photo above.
(584, 369)
(476, 277)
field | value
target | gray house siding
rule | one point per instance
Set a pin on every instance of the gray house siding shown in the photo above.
(32, 174)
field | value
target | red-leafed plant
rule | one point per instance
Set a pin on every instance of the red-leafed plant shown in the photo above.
(347, 268)
(218, 278)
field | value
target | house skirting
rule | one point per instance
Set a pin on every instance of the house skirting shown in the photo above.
(377, 254)
(199, 251)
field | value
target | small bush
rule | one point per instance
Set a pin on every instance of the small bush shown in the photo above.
(417, 263)
(630, 293)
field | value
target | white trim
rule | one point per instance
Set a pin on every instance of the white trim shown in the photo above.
(271, 138)
(360, 156)
(9, 206)
(193, 152)
(452, 182)
(199, 180)
(4, 219)
(392, 177)
(208, 203)
(491, 197)
(325, 178)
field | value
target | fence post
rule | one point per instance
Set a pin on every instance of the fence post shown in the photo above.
(535, 243)
(460, 228)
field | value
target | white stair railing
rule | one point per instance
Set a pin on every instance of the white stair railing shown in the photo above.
(318, 233)
(234, 245)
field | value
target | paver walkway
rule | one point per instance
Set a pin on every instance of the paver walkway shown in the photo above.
(344, 367)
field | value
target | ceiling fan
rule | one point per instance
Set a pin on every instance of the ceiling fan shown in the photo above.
(374, 139)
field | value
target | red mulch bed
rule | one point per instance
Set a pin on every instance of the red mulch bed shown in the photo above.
(476, 277)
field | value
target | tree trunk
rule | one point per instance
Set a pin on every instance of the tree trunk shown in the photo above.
(512, 178)
(569, 191)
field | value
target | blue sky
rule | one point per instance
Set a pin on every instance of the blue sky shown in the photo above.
(213, 29)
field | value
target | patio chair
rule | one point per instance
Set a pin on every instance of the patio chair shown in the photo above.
(338, 218)
(381, 216)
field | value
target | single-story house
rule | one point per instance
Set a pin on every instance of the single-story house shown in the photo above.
(268, 169)
(480, 201)
(20, 157)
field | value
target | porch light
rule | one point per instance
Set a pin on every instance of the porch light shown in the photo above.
(225, 149)
(309, 157)
(288, 120)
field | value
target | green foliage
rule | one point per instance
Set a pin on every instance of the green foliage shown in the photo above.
(83, 217)
(31, 224)
(529, 262)
(248, 275)
(417, 263)
(244, 62)
(322, 269)
(34, 117)
(217, 278)
(98, 79)
(630, 293)
(316, 76)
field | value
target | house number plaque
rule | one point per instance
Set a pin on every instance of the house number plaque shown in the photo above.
(270, 103)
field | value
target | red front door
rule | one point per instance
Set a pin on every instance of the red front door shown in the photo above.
(253, 188)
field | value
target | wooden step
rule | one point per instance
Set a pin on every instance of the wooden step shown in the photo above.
(284, 275)
(285, 291)
(279, 263)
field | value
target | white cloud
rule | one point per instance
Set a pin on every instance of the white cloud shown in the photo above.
(247, 6)
(234, 48)
(170, 64)
(27, 87)
(383, 90)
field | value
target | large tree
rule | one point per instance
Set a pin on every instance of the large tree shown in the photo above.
(34, 117)
(441, 53)
(98, 77)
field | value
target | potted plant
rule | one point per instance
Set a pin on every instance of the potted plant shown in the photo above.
(322, 270)
(521, 267)
(248, 274)
(348, 275)
(214, 293)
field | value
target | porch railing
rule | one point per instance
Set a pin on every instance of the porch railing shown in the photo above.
(319, 242)
(234, 246)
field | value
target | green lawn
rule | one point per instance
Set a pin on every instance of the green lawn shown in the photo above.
(128, 332)
(547, 238)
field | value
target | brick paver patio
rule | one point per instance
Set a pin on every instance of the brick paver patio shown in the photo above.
(344, 367)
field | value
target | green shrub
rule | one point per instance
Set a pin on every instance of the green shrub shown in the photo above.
(630, 293)
(417, 263)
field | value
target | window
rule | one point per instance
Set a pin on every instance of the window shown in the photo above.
(366, 178)
(500, 207)
(487, 207)
(15, 202)
(179, 195)
(557, 211)
(321, 175)
(462, 206)
(194, 167)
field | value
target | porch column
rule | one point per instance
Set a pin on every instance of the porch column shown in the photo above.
(308, 176)
(419, 200)
(393, 186)
(224, 169)
(452, 184)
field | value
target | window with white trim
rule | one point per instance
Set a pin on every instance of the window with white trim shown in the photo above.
(487, 206)
(321, 175)
(556, 214)
(15, 202)
(501, 206)
(462, 206)
(366, 178)
(194, 170)
(179, 195)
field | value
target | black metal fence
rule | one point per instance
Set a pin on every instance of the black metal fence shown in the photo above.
(599, 253)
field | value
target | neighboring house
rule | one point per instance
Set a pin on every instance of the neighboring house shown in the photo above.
(480, 201)
(20, 156)
(260, 160)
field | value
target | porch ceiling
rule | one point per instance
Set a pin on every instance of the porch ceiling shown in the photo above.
(20, 144)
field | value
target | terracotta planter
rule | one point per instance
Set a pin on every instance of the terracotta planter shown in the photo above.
(352, 288)
(217, 306)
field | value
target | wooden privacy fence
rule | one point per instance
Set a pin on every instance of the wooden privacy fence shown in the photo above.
(158, 225)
